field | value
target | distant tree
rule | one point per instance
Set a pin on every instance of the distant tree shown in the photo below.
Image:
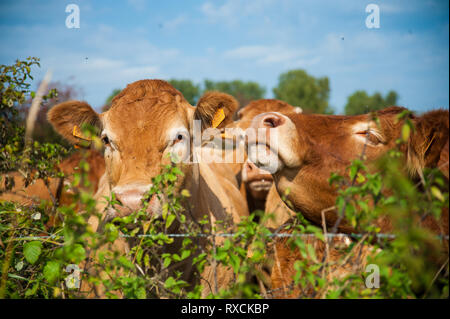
(109, 99)
(360, 102)
(190, 91)
(298, 88)
(244, 92)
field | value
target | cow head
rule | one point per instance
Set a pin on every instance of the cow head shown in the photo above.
(304, 137)
(259, 181)
(149, 124)
(305, 149)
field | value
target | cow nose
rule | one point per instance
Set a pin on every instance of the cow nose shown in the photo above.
(249, 166)
(130, 198)
(252, 172)
(271, 120)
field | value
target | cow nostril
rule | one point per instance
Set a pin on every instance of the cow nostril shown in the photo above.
(269, 122)
(272, 121)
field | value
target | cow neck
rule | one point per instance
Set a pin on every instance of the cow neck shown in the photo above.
(208, 196)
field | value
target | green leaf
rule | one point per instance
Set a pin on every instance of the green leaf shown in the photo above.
(32, 250)
(406, 130)
(52, 271)
(32, 291)
(167, 262)
(170, 282)
(125, 262)
(140, 293)
(185, 193)
(221, 255)
(185, 254)
(78, 253)
(170, 220)
(234, 261)
(437, 193)
(112, 233)
(311, 253)
(353, 171)
(227, 244)
(19, 265)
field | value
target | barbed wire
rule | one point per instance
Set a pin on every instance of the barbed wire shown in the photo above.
(206, 235)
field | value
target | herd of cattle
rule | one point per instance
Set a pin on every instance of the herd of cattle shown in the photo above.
(150, 119)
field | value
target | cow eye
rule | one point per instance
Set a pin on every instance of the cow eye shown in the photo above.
(370, 137)
(105, 140)
(178, 138)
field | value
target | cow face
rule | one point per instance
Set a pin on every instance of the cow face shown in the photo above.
(258, 180)
(302, 138)
(148, 125)
(307, 148)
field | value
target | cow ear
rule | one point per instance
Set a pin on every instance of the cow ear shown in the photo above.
(69, 117)
(429, 140)
(215, 109)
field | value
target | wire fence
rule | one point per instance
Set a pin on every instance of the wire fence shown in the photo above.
(208, 235)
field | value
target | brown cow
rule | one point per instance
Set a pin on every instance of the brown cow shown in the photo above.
(307, 153)
(310, 147)
(341, 262)
(148, 121)
(37, 191)
(255, 182)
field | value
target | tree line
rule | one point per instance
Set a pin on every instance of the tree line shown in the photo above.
(295, 87)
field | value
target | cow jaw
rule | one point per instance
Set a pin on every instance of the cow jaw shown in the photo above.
(258, 180)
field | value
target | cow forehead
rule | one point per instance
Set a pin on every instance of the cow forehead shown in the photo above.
(261, 106)
(147, 121)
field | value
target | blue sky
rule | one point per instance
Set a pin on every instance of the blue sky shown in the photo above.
(119, 42)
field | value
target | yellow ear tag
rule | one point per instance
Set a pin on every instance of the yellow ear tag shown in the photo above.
(218, 117)
(77, 133)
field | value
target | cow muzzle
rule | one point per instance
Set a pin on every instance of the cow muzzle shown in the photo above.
(266, 143)
(258, 180)
(131, 200)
